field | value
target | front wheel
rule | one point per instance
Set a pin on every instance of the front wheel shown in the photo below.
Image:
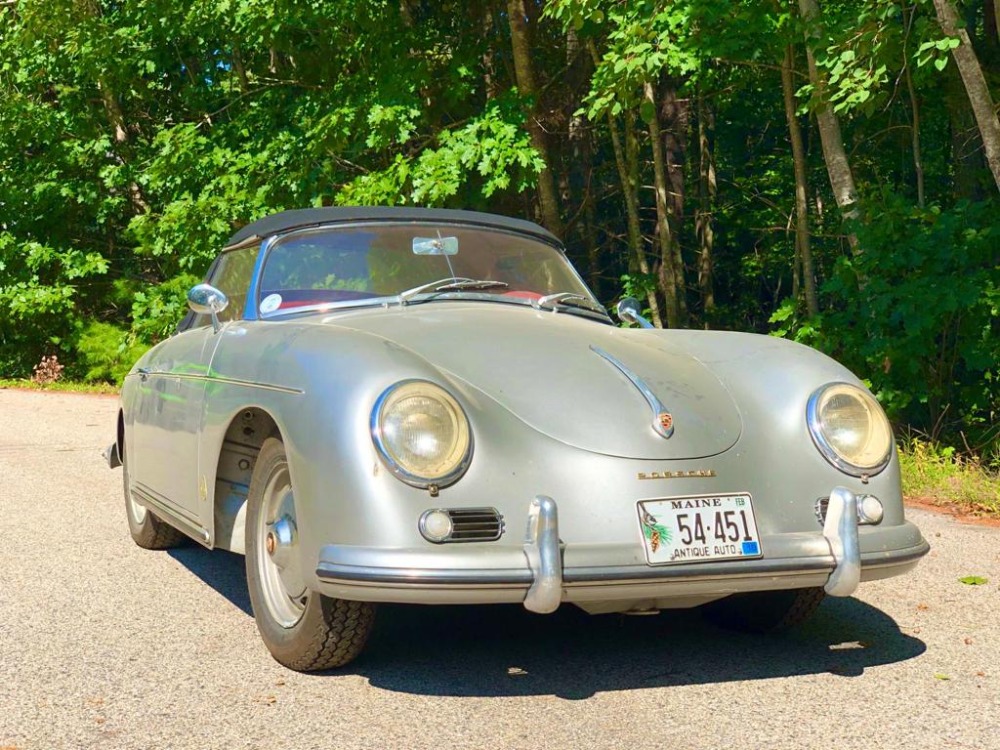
(302, 629)
(764, 611)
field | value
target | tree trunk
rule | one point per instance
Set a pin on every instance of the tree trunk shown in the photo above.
(630, 182)
(488, 58)
(845, 192)
(966, 158)
(241, 71)
(676, 113)
(669, 277)
(579, 171)
(975, 85)
(918, 161)
(803, 246)
(627, 162)
(525, 74)
(707, 190)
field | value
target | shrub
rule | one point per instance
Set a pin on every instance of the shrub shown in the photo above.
(107, 352)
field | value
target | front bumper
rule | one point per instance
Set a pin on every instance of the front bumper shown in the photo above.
(544, 572)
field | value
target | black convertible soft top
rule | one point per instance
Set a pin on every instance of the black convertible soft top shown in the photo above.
(310, 217)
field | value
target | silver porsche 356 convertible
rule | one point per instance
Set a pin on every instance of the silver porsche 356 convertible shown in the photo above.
(407, 405)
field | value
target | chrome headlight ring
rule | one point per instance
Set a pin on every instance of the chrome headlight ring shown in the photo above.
(422, 434)
(850, 429)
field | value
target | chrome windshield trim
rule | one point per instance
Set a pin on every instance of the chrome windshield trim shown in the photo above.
(660, 412)
(268, 244)
(391, 302)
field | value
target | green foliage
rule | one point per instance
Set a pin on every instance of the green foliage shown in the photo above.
(643, 41)
(918, 312)
(940, 474)
(937, 52)
(107, 352)
(856, 50)
(492, 149)
(157, 310)
(69, 386)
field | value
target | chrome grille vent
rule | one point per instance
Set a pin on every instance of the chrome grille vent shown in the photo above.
(821, 505)
(475, 524)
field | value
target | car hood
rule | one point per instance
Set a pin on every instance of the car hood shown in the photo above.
(546, 368)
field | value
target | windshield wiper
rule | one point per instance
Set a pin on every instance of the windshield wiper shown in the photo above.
(451, 284)
(567, 299)
(473, 284)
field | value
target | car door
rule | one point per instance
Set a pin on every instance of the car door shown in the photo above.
(174, 381)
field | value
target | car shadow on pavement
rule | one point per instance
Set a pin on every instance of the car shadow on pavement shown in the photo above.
(223, 571)
(504, 650)
(507, 651)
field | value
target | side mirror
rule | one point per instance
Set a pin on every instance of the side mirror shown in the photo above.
(630, 311)
(205, 299)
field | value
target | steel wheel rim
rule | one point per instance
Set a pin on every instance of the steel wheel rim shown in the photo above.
(284, 592)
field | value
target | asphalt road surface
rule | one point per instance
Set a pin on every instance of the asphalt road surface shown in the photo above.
(105, 645)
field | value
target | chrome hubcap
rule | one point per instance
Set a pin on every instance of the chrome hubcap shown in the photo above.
(285, 593)
(280, 540)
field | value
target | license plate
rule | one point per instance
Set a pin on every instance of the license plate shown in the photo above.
(698, 529)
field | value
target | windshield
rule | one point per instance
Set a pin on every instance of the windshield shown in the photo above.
(411, 263)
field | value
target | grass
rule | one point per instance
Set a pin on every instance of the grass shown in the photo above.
(942, 476)
(65, 386)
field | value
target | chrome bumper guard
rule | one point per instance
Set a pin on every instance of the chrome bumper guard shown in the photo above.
(541, 547)
(841, 532)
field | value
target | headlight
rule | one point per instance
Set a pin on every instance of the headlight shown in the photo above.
(421, 433)
(850, 429)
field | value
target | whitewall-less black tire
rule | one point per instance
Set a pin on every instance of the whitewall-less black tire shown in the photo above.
(148, 531)
(302, 629)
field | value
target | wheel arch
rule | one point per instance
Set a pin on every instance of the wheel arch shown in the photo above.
(120, 434)
(245, 433)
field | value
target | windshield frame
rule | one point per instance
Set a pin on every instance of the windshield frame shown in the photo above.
(598, 312)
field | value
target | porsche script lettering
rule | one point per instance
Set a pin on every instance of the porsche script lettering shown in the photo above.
(676, 474)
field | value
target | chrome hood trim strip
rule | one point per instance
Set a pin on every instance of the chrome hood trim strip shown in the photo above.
(662, 423)
(219, 379)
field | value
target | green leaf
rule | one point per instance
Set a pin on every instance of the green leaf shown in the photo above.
(940, 676)
(974, 580)
(941, 63)
(647, 111)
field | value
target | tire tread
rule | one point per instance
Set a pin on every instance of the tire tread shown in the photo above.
(340, 637)
(764, 611)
